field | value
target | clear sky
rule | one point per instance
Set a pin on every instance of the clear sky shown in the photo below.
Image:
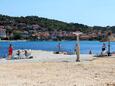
(89, 12)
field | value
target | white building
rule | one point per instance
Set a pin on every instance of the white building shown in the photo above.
(2, 32)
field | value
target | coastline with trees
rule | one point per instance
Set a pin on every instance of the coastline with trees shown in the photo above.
(38, 28)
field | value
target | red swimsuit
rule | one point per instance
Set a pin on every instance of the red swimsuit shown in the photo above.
(10, 51)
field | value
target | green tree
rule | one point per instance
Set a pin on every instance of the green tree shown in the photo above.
(17, 36)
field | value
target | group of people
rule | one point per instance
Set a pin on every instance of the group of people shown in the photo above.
(10, 51)
(18, 54)
(22, 54)
(103, 51)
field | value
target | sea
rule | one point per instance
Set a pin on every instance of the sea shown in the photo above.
(65, 46)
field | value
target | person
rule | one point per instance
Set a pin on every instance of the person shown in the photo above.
(10, 51)
(28, 55)
(17, 55)
(59, 47)
(18, 52)
(103, 47)
(104, 52)
(90, 52)
(75, 50)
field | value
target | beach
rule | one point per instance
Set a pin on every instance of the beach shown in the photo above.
(92, 72)
(47, 56)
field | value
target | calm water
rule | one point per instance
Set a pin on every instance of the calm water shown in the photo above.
(68, 46)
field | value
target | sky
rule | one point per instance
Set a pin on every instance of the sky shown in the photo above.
(88, 12)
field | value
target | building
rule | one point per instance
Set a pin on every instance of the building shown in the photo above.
(2, 32)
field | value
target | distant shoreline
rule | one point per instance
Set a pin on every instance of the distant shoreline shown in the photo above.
(40, 40)
(12, 40)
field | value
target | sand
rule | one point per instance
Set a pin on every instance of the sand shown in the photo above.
(95, 72)
(46, 56)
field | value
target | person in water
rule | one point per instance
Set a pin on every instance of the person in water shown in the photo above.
(59, 47)
(10, 51)
(90, 52)
(104, 52)
(103, 47)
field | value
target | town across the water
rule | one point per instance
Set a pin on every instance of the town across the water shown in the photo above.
(37, 28)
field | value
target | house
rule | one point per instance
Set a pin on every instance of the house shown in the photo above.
(36, 26)
(85, 36)
(25, 34)
(1, 27)
(2, 33)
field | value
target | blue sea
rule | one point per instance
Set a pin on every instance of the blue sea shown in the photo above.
(67, 46)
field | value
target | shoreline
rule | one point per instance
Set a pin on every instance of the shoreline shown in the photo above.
(13, 40)
(48, 56)
(42, 40)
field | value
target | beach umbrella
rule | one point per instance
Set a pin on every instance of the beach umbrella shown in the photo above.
(77, 34)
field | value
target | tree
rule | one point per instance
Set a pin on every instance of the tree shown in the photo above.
(17, 36)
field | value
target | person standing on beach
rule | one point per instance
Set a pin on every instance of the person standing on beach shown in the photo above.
(10, 51)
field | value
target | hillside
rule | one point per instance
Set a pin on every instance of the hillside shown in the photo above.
(50, 24)
(29, 26)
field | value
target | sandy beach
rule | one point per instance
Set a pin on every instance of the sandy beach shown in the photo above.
(64, 72)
